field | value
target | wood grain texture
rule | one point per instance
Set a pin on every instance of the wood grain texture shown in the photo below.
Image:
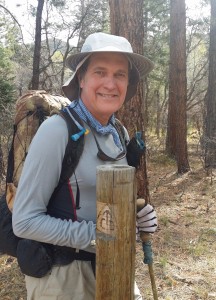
(115, 243)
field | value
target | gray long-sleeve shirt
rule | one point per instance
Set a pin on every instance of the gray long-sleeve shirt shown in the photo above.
(39, 178)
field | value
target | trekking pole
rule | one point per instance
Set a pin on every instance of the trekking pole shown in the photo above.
(147, 250)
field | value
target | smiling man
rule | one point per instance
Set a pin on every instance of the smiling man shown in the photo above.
(104, 84)
(105, 75)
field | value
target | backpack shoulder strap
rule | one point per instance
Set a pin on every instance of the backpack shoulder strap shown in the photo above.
(120, 128)
(74, 149)
(135, 147)
(73, 152)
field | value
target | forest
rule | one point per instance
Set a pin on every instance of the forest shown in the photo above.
(175, 109)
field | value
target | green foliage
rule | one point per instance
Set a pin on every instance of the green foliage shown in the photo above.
(156, 18)
(9, 29)
(11, 39)
(156, 47)
(6, 79)
(95, 15)
(6, 92)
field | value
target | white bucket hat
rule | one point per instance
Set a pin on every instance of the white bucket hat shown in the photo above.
(103, 42)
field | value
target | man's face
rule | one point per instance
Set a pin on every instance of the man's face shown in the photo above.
(104, 84)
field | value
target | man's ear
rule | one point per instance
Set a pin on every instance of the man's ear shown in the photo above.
(80, 80)
(81, 83)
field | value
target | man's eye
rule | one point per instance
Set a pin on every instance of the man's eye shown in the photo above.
(101, 73)
(121, 75)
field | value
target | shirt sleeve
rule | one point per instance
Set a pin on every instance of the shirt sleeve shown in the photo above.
(40, 176)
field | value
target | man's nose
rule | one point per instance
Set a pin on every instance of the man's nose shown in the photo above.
(110, 82)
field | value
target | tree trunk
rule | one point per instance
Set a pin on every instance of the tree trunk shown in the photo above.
(37, 49)
(210, 120)
(2, 170)
(176, 144)
(127, 20)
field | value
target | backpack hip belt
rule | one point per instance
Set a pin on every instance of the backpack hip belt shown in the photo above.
(36, 259)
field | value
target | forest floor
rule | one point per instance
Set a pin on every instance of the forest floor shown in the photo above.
(184, 245)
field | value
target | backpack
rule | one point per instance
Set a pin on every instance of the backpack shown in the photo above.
(31, 110)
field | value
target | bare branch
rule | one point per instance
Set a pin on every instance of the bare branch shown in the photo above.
(15, 20)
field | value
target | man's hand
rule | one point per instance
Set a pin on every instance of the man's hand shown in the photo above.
(146, 220)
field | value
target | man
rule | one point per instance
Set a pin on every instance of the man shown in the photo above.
(106, 74)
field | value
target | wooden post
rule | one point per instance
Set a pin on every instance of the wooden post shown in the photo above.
(115, 243)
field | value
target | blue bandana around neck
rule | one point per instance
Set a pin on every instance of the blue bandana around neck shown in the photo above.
(87, 117)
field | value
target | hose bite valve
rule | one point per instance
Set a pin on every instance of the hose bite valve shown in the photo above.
(76, 136)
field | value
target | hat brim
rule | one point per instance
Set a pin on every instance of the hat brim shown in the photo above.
(142, 63)
(141, 66)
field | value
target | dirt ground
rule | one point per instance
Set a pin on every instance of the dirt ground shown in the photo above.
(184, 246)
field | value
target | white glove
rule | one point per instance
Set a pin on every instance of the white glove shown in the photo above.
(146, 220)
